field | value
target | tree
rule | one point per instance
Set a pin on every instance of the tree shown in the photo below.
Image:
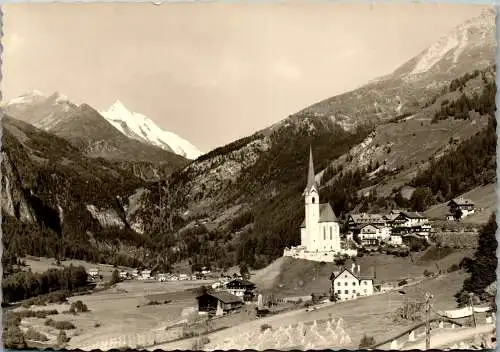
(115, 277)
(457, 213)
(244, 272)
(482, 269)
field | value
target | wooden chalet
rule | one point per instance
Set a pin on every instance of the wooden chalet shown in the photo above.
(210, 302)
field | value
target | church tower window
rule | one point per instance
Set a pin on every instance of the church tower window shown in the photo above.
(330, 232)
(324, 233)
(313, 200)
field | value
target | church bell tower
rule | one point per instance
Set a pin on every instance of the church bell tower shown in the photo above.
(311, 198)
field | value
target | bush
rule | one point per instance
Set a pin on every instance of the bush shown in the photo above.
(62, 338)
(366, 341)
(34, 335)
(265, 327)
(60, 325)
(13, 338)
(453, 267)
(78, 307)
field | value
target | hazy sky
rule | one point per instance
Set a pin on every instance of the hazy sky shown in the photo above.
(214, 72)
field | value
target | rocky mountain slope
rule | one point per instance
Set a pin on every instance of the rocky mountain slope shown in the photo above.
(56, 201)
(470, 46)
(87, 130)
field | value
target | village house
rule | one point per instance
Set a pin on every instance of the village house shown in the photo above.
(347, 285)
(396, 240)
(124, 275)
(411, 223)
(357, 221)
(94, 273)
(374, 234)
(241, 288)
(162, 277)
(460, 208)
(218, 302)
(145, 275)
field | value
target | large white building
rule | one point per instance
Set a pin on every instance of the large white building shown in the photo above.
(349, 285)
(320, 230)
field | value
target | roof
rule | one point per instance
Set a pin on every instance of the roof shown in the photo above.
(241, 282)
(311, 180)
(342, 271)
(364, 217)
(412, 215)
(461, 201)
(326, 214)
(391, 216)
(223, 296)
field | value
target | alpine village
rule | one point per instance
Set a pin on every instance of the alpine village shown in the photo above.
(363, 221)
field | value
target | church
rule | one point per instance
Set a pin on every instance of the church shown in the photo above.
(320, 230)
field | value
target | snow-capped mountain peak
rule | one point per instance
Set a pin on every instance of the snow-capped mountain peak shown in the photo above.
(140, 127)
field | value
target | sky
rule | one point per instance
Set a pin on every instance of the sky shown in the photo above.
(213, 72)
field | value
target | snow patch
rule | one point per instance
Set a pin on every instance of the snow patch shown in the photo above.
(140, 127)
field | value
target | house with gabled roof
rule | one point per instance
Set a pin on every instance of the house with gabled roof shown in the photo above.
(411, 223)
(374, 234)
(349, 284)
(460, 207)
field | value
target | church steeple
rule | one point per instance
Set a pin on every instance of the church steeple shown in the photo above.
(311, 181)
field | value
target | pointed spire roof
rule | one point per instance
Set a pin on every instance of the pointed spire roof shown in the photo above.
(311, 180)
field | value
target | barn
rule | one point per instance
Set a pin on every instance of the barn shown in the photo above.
(210, 302)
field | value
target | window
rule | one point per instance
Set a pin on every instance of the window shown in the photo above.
(353, 291)
(346, 283)
(339, 291)
(346, 291)
(324, 233)
(330, 233)
(338, 283)
(313, 200)
(354, 283)
(366, 283)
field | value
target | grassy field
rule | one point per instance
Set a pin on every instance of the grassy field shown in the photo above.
(370, 315)
(296, 277)
(484, 197)
(122, 310)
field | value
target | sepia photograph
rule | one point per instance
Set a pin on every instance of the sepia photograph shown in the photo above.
(282, 175)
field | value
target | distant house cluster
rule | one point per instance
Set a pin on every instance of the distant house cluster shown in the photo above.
(375, 229)
(94, 274)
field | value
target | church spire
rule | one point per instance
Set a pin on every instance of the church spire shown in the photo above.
(311, 181)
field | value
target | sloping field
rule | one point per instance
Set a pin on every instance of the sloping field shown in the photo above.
(484, 197)
(370, 315)
(296, 277)
(408, 145)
